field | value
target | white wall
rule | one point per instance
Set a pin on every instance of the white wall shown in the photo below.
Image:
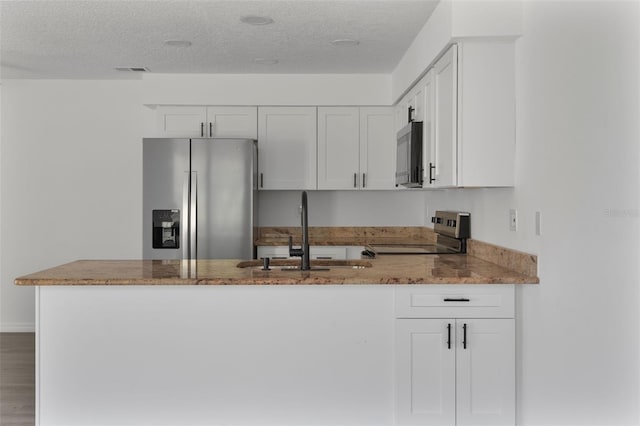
(578, 110)
(578, 150)
(424, 49)
(343, 208)
(267, 89)
(71, 180)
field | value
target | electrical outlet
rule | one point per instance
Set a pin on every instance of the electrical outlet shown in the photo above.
(513, 220)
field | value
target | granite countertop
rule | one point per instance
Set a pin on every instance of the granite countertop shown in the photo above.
(392, 269)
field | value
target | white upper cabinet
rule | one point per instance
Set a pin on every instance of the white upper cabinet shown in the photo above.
(338, 147)
(287, 147)
(232, 122)
(445, 74)
(206, 122)
(180, 121)
(356, 148)
(466, 102)
(486, 113)
(377, 148)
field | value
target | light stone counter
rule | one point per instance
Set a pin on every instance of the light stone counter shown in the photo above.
(393, 269)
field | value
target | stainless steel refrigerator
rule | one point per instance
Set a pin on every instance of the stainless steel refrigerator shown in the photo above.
(199, 198)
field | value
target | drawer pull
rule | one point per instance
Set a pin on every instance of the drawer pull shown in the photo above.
(449, 336)
(458, 299)
(324, 258)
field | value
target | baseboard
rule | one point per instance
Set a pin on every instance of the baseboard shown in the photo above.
(18, 327)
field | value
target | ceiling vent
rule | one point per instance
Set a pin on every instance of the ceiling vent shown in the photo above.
(134, 69)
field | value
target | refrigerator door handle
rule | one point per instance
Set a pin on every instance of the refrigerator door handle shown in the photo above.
(184, 234)
(193, 217)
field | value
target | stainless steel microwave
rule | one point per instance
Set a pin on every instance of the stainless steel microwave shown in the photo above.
(409, 156)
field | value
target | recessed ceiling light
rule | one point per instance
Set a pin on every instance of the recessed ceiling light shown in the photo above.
(177, 43)
(265, 61)
(134, 69)
(256, 20)
(345, 42)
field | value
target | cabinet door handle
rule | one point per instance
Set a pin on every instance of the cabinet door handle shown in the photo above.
(202, 129)
(464, 336)
(210, 129)
(355, 180)
(364, 181)
(261, 180)
(449, 336)
(432, 168)
(456, 299)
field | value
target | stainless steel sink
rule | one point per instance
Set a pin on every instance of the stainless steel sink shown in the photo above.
(316, 264)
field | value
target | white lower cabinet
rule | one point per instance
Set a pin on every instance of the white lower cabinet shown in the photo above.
(425, 373)
(455, 371)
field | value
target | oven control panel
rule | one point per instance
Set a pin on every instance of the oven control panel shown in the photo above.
(452, 224)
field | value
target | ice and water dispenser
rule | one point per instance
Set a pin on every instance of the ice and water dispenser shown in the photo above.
(166, 229)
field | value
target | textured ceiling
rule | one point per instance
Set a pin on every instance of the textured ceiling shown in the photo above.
(88, 39)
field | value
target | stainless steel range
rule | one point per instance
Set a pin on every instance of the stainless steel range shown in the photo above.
(452, 229)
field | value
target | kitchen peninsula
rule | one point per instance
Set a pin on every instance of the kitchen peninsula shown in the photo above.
(208, 342)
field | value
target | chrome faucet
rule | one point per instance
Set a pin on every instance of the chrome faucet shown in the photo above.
(303, 251)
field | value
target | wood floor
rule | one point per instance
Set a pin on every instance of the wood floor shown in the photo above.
(17, 379)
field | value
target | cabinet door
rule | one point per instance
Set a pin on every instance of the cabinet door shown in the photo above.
(232, 122)
(446, 111)
(338, 148)
(425, 372)
(377, 148)
(400, 113)
(181, 121)
(428, 128)
(485, 371)
(287, 147)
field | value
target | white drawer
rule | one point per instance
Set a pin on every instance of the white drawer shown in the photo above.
(274, 252)
(454, 301)
(328, 252)
(317, 252)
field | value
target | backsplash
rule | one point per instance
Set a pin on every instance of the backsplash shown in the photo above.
(523, 263)
(343, 208)
(347, 235)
